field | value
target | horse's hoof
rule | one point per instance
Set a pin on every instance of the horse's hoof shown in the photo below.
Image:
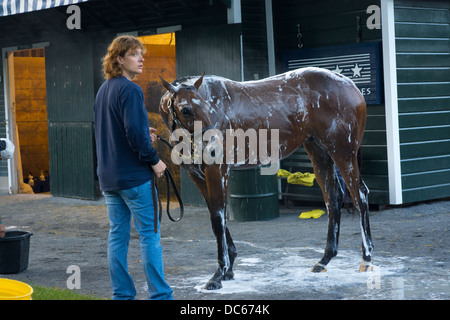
(229, 275)
(213, 285)
(365, 266)
(318, 268)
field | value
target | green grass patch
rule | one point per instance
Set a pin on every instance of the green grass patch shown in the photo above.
(46, 293)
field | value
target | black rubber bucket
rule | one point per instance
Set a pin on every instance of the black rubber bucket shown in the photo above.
(252, 196)
(14, 251)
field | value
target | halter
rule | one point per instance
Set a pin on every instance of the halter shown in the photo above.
(178, 123)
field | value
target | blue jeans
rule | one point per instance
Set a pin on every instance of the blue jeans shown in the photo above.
(122, 205)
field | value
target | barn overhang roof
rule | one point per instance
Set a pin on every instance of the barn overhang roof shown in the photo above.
(25, 21)
(12, 7)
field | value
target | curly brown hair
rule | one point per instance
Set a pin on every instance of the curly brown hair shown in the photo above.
(119, 47)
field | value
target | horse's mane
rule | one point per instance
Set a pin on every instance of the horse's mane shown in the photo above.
(188, 80)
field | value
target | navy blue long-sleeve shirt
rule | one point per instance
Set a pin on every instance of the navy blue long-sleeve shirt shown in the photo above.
(124, 148)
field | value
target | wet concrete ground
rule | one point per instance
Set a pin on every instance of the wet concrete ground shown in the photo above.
(411, 255)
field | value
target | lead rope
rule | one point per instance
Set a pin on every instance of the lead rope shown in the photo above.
(157, 207)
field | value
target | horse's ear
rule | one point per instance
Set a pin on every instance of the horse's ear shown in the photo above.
(167, 85)
(199, 81)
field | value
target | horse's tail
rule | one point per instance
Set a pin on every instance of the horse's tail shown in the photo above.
(359, 158)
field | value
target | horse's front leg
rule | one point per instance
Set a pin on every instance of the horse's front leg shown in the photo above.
(226, 251)
(217, 185)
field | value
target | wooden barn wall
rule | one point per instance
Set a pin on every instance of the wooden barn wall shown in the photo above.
(254, 40)
(214, 50)
(423, 74)
(324, 23)
(73, 72)
(70, 96)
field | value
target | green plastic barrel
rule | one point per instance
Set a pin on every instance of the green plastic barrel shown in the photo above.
(252, 196)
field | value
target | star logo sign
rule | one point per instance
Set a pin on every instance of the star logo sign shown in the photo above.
(337, 69)
(356, 71)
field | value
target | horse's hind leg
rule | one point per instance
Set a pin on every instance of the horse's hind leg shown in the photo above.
(367, 245)
(359, 193)
(332, 194)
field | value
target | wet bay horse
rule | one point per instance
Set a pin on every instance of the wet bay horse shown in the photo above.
(315, 107)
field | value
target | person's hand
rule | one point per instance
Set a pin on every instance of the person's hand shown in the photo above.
(159, 168)
(153, 135)
(2, 230)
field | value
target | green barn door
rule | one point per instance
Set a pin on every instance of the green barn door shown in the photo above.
(215, 51)
(422, 30)
(70, 96)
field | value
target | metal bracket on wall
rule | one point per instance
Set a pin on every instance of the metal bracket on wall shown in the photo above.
(358, 29)
(299, 37)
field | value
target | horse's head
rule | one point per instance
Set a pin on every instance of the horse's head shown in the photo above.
(182, 105)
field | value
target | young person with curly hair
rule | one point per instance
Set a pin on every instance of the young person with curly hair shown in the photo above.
(126, 159)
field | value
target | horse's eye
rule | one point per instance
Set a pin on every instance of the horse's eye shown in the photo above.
(186, 112)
